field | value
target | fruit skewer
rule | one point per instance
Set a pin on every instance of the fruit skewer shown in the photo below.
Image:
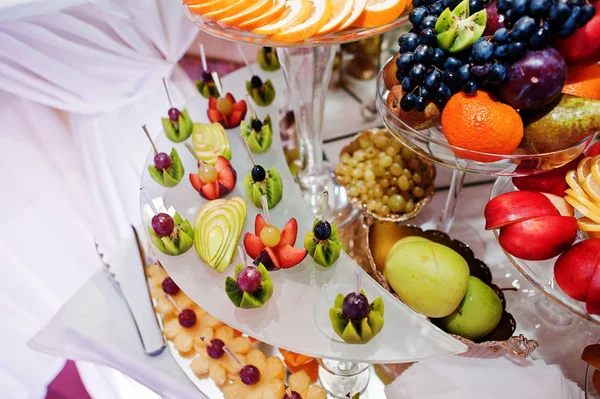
(261, 182)
(263, 93)
(178, 126)
(251, 286)
(167, 170)
(212, 182)
(207, 85)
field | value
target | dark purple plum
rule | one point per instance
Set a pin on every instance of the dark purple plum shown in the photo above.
(495, 20)
(535, 80)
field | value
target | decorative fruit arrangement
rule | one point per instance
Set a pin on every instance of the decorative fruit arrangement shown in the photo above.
(296, 20)
(439, 278)
(356, 320)
(385, 177)
(267, 59)
(212, 182)
(258, 134)
(206, 85)
(323, 242)
(263, 93)
(210, 142)
(270, 247)
(492, 73)
(178, 126)
(259, 182)
(171, 235)
(218, 228)
(226, 111)
(584, 194)
(221, 353)
(167, 170)
(251, 287)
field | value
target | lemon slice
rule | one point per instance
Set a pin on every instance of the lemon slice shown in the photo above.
(278, 8)
(595, 168)
(341, 10)
(296, 11)
(592, 187)
(584, 168)
(320, 12)
(359, 6)
(380, 12)
(573, 182)
(587, 224)
(585, 207)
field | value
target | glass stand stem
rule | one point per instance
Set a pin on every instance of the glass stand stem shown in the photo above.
(307, 71)
(553, 313)
(447, 218)
(343, 379)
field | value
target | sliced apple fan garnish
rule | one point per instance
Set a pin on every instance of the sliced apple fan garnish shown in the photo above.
(219, 226)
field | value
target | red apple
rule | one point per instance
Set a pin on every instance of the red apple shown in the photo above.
(583, 47)
(593, 150)
(552, 181)
(592, 303)
(540, 238)
(563, 207)
(575, 268)
(516, 206)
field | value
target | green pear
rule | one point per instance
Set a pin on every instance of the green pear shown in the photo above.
(560, 125)
(429, 277)
(477, 315)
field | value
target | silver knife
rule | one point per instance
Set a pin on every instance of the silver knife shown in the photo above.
(127, 273)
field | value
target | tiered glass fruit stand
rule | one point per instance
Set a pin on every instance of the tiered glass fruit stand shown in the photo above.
(295, 318)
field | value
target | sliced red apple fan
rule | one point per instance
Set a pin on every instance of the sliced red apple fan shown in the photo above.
(282, 256)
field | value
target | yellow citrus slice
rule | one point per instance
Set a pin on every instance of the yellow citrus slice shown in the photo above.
(273, 14)
(229, 10)
(359, 6)
(296, 12)
(258, 8)
(585, 207)
(587, 224)
(584, 168)
(593, 234)
(208, 6)
(341, 10)
(573, 182)
(305, 28)
(596, 168)
(592, 187)
(380, 12)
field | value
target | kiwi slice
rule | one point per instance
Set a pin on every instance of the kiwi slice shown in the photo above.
(178, 242)
(262, 96)
(272, 187)
(182, 130)
(268, 61)
(324, 252)
(249, 300)
(458, 30)
(356, 331)
(258, 142)
(168, 177)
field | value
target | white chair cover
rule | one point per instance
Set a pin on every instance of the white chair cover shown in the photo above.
(79, 79)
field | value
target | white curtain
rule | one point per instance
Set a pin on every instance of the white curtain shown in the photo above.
(78, 79)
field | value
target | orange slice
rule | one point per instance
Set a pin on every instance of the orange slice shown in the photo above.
(587, 224)
(229, 10)
(305, 28)
(584, 168)
(359, 7)
(208, 6)
(341, 10)
(592, 187)
(573, 182)
(273, 14)
(380, 12)
(596, 168)
(258, 8)
(296, 12)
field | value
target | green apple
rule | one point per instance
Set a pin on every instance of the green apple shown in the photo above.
(210, 141)
(219, 225)
(429, 277)
(477, 315)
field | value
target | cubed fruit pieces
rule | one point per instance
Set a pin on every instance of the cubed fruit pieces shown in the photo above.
(222, 186)
(226, 111)
(533, 225)
(577, 274)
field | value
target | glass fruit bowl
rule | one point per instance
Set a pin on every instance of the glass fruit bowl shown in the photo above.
(432, 144)
(541, 273)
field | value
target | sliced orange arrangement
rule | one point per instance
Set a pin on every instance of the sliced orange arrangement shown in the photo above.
(291, 21)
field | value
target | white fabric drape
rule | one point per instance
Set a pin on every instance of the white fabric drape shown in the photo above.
(78, 82)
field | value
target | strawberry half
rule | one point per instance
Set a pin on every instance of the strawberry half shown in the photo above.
(238, 112)
(290, 256)
(226, 179)
(284, 255)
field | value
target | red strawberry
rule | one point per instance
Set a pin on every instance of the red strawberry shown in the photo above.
(214, 115)
(259, 223)
(288, 234)
(290, 256)
(197, 183)
(230, 97)
(222, 163)
(253, 245)
(212, 102)
(240, 106)
(272, 256)
(210, 191)
(227, 178)
(236, 118)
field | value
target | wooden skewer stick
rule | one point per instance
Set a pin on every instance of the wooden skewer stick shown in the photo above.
(168, 94)
(248, 150)
(149, 200)
(150, 139)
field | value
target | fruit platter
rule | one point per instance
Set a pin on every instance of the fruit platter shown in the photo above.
(296, 22)
(547, 225)
(501, 87)
(385, 180)
(235, 236)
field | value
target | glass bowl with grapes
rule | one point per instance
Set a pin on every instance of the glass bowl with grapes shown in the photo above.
(383, 179)
(488, 86)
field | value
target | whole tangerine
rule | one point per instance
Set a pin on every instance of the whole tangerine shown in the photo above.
(583, 81)
(481, 123)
